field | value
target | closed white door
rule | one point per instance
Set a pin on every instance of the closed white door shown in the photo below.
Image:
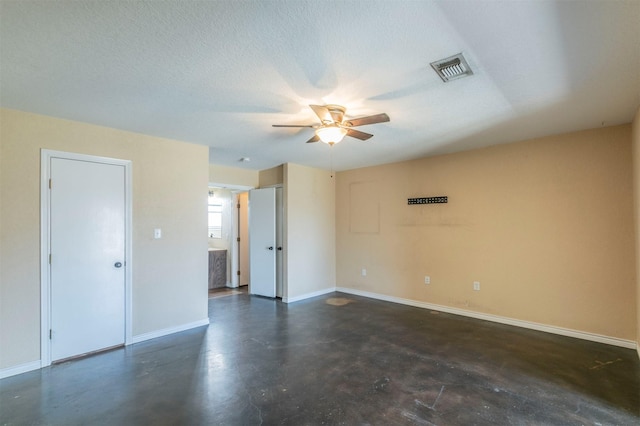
(262, 242)
(87, 243)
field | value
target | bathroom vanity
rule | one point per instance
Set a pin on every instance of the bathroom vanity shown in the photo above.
(217, 268)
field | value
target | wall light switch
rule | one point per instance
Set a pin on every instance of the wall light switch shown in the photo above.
(476, 285)
(364, 272)
(157, 233)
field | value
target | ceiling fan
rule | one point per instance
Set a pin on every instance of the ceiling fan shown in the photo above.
(334, 126)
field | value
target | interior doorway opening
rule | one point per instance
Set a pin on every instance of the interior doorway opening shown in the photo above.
(228, 237)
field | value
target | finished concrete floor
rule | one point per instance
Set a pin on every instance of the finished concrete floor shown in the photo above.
(335, 359)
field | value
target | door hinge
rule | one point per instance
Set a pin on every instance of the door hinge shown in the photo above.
(238, 272)
(238, 205)
(238, 239)
(50, 334)
(49, 183)
(49, 258)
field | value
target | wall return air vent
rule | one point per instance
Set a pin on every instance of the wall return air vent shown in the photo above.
(452, 68)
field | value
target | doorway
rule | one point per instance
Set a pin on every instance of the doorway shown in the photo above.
(85, 254)
(233, 233)
(228, 232)
(242, 239)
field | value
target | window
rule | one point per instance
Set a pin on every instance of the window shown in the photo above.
(215, 216)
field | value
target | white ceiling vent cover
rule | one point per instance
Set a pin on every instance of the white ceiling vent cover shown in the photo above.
(452, 68)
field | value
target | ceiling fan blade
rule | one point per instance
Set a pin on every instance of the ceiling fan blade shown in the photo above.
(371, 119)
(315, 138)
(293, 125)
(323, 113)
(358, 134)
(336, 115)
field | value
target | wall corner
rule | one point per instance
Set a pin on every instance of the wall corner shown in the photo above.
(635, 148)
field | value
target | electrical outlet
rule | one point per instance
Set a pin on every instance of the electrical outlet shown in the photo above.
(476, 285)
(157, 233)
(364, 272)
(427, 279)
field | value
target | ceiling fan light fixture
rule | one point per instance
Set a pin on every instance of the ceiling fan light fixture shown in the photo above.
(334, 126)
(331, 134)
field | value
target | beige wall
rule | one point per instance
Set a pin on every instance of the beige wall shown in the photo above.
(636, 209)
(169, 192)
(233, 176)
(3, 340)
(309, 204)
(545, 226)
(271, 177)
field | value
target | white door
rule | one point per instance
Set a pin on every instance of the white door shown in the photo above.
(87, 231)
(262, 242)
(279, 242)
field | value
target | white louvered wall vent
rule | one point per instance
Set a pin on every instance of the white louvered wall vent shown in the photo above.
(452, 68)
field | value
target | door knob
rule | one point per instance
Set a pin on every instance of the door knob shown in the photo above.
(117, 264)
(271, 248)
(280, 248)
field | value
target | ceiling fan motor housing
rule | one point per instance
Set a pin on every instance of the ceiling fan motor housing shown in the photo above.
(335, 114)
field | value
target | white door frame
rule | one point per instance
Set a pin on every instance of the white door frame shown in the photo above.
(45, 241)
(234, 252)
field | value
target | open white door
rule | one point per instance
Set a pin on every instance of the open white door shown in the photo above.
(262, 242)
(279, 243)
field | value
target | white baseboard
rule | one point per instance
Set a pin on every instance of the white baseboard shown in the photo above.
(630, 344)
(19, 369)
(35, 365)
(308, 295)
(166, 331)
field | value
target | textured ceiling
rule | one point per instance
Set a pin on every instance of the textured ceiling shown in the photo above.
(219, 73)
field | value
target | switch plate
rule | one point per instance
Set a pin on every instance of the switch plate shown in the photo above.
(476, 285)
(427, 279)
(364, 272)
(157, 233)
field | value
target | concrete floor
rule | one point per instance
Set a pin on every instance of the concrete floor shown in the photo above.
(335, 359)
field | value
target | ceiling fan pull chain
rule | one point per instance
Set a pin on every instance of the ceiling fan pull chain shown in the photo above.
(331, 158)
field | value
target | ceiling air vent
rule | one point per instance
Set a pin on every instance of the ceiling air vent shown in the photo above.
(452, 68)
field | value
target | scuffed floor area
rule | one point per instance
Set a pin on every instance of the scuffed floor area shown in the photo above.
(335, 359)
